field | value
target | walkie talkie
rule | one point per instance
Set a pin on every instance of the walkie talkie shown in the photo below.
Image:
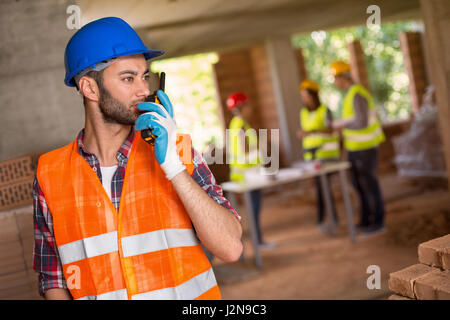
(147, 134)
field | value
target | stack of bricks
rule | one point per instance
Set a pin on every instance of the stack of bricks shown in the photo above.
(18, 281)
(16, 182)
(427, 280)
(17, 278)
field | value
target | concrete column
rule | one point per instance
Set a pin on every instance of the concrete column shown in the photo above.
(358, 64)
(415, 66)
(285, 78)
(436, 15)
(39, 112)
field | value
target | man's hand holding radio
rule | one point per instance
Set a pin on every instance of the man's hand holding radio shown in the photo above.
(159, 118)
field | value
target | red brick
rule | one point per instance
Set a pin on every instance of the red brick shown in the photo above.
(436, 252)
(433, 286)
(17, 193)
(14, 170)
(402, 282)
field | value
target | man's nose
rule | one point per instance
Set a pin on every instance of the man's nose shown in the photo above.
(143, 89)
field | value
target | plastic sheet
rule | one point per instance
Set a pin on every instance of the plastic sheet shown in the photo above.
(419, 151)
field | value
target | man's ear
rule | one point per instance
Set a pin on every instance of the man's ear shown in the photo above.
(89, 88)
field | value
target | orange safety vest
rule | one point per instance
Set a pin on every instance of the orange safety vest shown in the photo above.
(148, 250)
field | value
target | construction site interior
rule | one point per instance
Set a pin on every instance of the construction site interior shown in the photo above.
(264, 48)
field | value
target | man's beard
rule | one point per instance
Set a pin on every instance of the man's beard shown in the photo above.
(114, 111)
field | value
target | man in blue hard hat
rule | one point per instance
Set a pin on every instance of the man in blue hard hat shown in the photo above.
(78, 188)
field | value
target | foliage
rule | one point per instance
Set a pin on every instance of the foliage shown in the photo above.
(384, 61)
(190, 86)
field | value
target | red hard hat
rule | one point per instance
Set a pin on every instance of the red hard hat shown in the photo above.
(235, 100)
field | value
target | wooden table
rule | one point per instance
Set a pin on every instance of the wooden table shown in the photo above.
(290, 175)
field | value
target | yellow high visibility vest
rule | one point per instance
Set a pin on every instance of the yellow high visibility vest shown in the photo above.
(326, 145)
(238, 160)
(365, 138)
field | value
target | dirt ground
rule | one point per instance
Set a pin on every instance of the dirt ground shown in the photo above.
(307, 264)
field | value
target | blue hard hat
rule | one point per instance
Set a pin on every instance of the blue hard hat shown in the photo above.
(101, 40)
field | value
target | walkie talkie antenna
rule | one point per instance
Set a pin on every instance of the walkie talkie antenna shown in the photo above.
(162, 81)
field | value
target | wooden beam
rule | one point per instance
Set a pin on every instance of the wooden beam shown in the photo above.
(436, 14)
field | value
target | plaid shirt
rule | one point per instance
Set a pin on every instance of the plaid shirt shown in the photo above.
(46, 260)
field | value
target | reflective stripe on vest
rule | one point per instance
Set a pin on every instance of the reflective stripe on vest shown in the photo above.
(240, 161)
(326, 146)
(113, 295)
(158, 240)
(132, 245)
(145, 248)
(88, 247)
(365, 138)
(188, 290)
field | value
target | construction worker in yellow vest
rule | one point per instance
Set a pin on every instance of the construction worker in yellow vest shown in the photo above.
(119, 218)
(319, 142)
(362, 133)
(243, 155)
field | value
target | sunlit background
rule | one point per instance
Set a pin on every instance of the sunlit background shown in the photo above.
(190, 82)
(190, 86)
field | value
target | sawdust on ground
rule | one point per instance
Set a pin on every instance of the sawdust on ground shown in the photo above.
(307, 264)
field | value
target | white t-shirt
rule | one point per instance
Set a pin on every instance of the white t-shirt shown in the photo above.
(107, 175)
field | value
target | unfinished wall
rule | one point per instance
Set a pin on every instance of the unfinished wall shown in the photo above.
(267, 111)
(233, 72)
(18, 280)
(38, 111)
(248, 70)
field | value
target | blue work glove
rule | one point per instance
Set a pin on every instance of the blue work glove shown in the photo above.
(159, 118)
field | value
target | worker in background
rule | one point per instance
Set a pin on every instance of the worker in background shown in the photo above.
(319, 142)
(243, 153)
(116, 217)
(362, 133)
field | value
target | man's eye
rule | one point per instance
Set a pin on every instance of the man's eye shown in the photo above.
(146, 77)
(128, 79)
